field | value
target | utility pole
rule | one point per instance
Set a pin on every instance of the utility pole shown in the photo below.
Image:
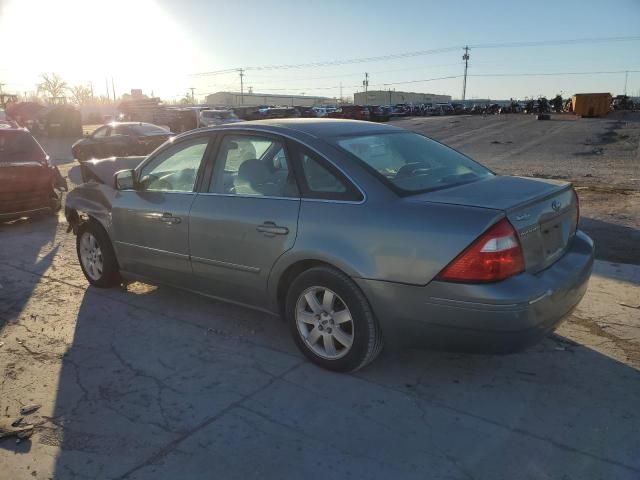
(113, 88)
(626, 77)
(106, 82)
(241, 86)
(91, 87)
(465, 57)
(193, 101)
(340, 92)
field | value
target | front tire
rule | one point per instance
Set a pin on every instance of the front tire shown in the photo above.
(331, 320)
(95, 253)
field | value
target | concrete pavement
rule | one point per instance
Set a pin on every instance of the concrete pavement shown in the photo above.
(153, 383)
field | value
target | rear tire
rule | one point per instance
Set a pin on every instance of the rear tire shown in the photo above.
(331, 320)
(95, 253)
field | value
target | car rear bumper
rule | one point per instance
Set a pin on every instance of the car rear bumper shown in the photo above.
(498, 317)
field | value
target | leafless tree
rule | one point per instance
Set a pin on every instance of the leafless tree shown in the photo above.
(80, 95)
(52, 85)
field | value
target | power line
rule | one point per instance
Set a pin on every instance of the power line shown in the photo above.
(417, 53)
(539, 74)
(449, 77)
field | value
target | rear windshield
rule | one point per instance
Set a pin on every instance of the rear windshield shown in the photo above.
(18, 146)
(222, 115)
(411, 163)
(146, 129)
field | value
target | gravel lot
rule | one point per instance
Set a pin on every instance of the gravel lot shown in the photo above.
(601, 156)
(149, 382)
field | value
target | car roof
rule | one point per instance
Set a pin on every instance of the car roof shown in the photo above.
(315, 127)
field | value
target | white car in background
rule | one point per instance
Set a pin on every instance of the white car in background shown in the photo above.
(211, 118)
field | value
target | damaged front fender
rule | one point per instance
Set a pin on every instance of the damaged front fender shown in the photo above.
(94, 198)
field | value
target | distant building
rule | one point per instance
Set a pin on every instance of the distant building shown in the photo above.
(236, 99)
(390, 97)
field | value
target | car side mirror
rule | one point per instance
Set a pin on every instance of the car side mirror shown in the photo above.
(125, 180)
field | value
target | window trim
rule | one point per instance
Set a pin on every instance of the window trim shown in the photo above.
(204, 187)
(207, 151)
(307, 194)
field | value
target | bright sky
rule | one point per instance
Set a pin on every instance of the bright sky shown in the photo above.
(157, 45)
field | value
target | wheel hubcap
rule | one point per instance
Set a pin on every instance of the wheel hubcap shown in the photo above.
(324, 322)
(91, 256)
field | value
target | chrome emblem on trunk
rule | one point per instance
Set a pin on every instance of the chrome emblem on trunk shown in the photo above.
(523, 216)
(556, 205)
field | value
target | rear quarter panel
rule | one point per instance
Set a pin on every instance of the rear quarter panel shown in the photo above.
(398, 241)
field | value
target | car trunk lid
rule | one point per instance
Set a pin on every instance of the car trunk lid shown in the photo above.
(543, 212)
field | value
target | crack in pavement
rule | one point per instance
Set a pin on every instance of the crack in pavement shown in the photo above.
(515, 430)
(173, 445)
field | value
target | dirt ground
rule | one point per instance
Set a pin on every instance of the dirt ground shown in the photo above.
(601, 156)
(148, 382)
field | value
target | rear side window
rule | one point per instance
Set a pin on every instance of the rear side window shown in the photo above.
(411, 163)
(321, 180)
(253, 165)
(16, 146)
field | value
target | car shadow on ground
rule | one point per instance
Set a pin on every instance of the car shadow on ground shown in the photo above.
(613, 242)
(162, 384)
(27, 256)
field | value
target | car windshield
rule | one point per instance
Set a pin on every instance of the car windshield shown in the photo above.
(223, 115)
(412, 163)
(16, 146)
(146, 129)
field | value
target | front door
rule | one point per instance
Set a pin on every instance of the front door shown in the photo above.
(151, 223)
(246, 218)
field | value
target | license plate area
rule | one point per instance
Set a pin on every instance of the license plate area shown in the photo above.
(552, 238)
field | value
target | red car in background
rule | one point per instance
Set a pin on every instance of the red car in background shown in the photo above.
(351, 112)
(29, 184)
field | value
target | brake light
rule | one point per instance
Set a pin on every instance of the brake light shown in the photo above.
(492, 257)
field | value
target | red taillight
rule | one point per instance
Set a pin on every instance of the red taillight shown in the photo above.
(494, 256)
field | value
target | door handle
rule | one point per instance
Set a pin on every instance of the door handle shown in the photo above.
(170, 219)
(270, 229)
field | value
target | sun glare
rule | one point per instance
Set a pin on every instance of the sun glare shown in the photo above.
(135, 42)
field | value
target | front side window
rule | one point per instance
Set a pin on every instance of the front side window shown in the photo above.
(253, 165)
(141, 129)
(176, 168)
(412, 163)
(101, 132)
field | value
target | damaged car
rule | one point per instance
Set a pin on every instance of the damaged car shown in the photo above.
(356, 233)
(29, 184)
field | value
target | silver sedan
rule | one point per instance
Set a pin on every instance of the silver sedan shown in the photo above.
(355, 233)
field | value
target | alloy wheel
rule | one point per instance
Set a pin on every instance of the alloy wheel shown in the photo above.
(91, 256)
(324, 322)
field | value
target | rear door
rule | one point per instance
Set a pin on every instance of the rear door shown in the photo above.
(245, 218)
(151, 223)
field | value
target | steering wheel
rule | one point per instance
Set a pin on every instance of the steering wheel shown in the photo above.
(411, 168)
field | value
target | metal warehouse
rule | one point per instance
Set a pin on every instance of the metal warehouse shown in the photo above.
(235, 99)
(391, 97)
